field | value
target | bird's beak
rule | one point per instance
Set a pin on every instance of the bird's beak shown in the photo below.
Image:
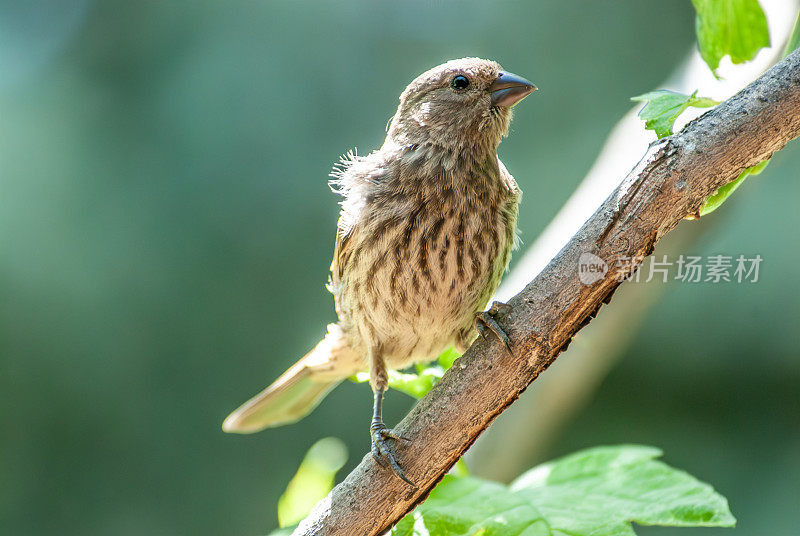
(508, 89)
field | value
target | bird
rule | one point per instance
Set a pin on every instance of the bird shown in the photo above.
(425, 231)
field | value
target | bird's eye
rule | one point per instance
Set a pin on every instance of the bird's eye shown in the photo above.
(459, 82)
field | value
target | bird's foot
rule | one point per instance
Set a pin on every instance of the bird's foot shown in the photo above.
(485, 321)
(381, 451)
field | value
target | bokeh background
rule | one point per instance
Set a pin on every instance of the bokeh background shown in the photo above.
(166, 231)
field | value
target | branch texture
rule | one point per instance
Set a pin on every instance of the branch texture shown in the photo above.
(670, 183)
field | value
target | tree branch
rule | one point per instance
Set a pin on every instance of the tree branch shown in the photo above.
(670, 183)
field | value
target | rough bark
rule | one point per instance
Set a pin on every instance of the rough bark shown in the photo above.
(670, 183)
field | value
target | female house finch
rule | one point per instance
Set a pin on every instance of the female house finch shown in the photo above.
(425, 232)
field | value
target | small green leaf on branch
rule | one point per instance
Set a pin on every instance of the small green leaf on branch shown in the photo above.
(417, 385)
(663, 107)
(414, 385)
(715, 201)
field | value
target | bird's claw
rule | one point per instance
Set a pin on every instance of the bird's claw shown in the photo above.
(382, 453)
(485, 321)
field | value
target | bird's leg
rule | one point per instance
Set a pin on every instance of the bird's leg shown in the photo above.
(379, 432)
(485, 321)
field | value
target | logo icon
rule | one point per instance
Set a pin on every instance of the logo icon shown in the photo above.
(591, 268)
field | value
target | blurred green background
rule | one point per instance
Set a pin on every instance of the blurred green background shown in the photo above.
(166, 231)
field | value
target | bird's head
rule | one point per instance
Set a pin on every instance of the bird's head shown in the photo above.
(460, 105)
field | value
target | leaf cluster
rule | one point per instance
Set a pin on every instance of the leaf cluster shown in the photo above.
(594, 492)
(735, 28)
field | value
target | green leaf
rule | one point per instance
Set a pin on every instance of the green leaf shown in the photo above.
(460, 469)
(414, 385)
(313, 480)
(715, 201)
(417, 385)
(735, 28)
(663, 107)
(601, 490)
(472, 506)
(597, 492)
(448, 357)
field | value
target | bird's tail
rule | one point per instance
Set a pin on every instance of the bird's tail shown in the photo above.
(298, 391)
